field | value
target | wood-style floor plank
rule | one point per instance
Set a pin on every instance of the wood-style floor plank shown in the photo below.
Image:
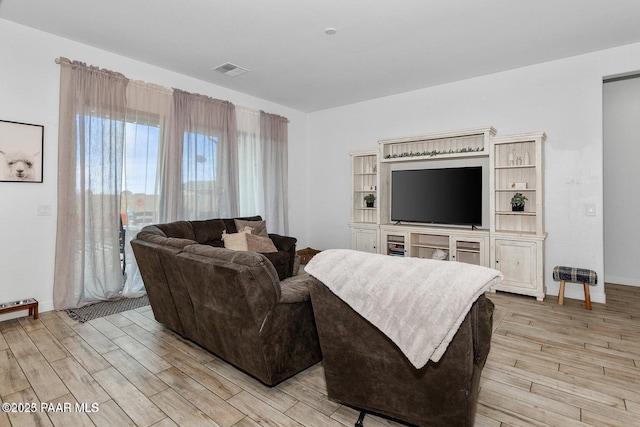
(205, 400)
(81, 384)
(549, 365)
(135, 404)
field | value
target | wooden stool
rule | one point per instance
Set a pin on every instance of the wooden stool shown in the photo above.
(578, 275)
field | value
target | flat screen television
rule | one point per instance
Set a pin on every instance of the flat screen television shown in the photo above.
(437, 196)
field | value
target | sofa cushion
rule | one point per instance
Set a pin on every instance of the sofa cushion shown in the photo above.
(280, 261)
(259, 244)
(258, 228)
(235, 241)
(208, 230)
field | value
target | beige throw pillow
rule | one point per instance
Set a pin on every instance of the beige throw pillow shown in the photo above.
(259, 228)
(235, 241)
(260, 244)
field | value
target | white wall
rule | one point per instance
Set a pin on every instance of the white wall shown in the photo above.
(29, 87)
(621, 175)
(562, 98)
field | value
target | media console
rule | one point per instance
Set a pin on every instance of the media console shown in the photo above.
(452, 244)
(514, 240)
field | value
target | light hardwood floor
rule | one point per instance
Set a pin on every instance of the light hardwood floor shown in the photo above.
(549, 365)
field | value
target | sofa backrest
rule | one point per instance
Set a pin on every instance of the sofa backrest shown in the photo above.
(208, 231)
(232, 293)
(256, 267)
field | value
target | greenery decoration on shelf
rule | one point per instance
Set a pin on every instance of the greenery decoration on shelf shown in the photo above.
(369, 199)
(517, 202)
(433, 153)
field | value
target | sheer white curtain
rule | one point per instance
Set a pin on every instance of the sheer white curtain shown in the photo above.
(200, 179)
(147, 118)
(137, 153)
(90, 147)
(274, 140)
(263, 166)
(250, 170)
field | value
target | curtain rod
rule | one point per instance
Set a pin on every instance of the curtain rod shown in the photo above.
(58, 60)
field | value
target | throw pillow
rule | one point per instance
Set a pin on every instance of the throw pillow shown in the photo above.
(259, 227)
(260, 244)
(235, 241)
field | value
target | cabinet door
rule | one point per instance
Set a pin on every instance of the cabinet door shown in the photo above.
(517, 260)
(469, 250)
(365, 240)
(393, 243)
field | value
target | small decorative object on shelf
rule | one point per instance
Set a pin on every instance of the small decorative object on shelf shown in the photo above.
(512, 157)
(517, 202)
(369, 199)
(527, 161)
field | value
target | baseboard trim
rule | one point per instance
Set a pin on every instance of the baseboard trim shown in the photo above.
(628, 281)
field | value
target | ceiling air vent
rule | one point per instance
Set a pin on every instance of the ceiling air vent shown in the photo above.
(230, 69)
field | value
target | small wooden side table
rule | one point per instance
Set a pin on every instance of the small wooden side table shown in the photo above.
(30, 303)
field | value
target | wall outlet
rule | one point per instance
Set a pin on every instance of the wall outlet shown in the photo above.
(44, 210)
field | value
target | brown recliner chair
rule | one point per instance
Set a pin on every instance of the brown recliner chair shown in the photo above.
(364, 369)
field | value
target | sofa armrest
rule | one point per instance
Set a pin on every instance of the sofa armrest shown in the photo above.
(296, 288)
(482, 313)
(286, 245)
(283, 243)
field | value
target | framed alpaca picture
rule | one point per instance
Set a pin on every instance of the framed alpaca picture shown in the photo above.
(21, 146)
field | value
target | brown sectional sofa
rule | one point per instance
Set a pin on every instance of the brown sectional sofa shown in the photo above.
(366, 370)
(232, 303)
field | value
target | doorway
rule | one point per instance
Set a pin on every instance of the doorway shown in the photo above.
(621, 172)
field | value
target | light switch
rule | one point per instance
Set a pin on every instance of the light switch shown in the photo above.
(590, 209)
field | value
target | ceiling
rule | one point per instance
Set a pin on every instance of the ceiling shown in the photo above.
(381, 47)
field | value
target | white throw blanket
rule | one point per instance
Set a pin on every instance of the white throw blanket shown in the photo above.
(418, 303)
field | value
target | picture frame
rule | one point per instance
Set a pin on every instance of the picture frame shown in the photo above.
(21, 152)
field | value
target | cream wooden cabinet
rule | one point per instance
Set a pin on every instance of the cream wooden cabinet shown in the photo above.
(517, 236)
(364, 218)
(521, 262)
(395, 241)
(423, 242)
(471, 249)
(514, 240)
(364, 182)
(364, 238)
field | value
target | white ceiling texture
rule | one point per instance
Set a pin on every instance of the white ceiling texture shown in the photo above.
(380, 47)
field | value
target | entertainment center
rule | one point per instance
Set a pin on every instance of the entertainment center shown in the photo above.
(448, 219)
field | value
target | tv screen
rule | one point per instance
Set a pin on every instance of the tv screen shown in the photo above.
(437, 196)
